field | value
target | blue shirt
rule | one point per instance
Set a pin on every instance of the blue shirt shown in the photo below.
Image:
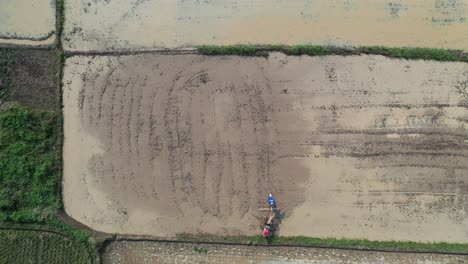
(271, 200)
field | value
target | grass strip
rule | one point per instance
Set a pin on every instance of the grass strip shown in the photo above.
(316, 50)
(367, 244)
(60, 17)
(361, 244)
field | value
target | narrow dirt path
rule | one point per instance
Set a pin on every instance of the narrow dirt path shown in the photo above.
(156, 252)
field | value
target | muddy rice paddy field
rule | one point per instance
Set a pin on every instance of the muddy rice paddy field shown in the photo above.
(145, 25)
(355, 147)
(158, 143)
(27, 22)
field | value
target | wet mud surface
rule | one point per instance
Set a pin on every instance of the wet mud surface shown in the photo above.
(145, 25)
(27, 22)
(155, 252)
(355, 147)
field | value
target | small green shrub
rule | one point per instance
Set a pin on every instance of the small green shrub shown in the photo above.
(200, 250)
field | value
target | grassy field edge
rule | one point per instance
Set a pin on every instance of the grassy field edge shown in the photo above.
(316, 50)
(34, 243)
(338, 243)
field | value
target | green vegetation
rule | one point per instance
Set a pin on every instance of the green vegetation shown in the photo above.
(200, 250)
(22, 246)
(30, 174)
(417, 53)
(7, 57)
(30, 168)
(60, 16)
(31, 160)
(332, 242)
(242, 50)
(367, 244)
(315, 50)
(29, 165)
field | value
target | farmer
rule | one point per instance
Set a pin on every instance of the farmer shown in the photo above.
(271, 201)
(267, 229)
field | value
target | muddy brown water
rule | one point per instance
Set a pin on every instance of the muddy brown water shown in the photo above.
(355, 147)
(27, 22)
(144, 25)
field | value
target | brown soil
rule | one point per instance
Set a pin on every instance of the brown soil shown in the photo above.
(164, 253)
(356, 147)
(30, 77)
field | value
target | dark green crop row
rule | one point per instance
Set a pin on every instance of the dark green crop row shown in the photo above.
(315, 50)
(6, 59)
(18, 246)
